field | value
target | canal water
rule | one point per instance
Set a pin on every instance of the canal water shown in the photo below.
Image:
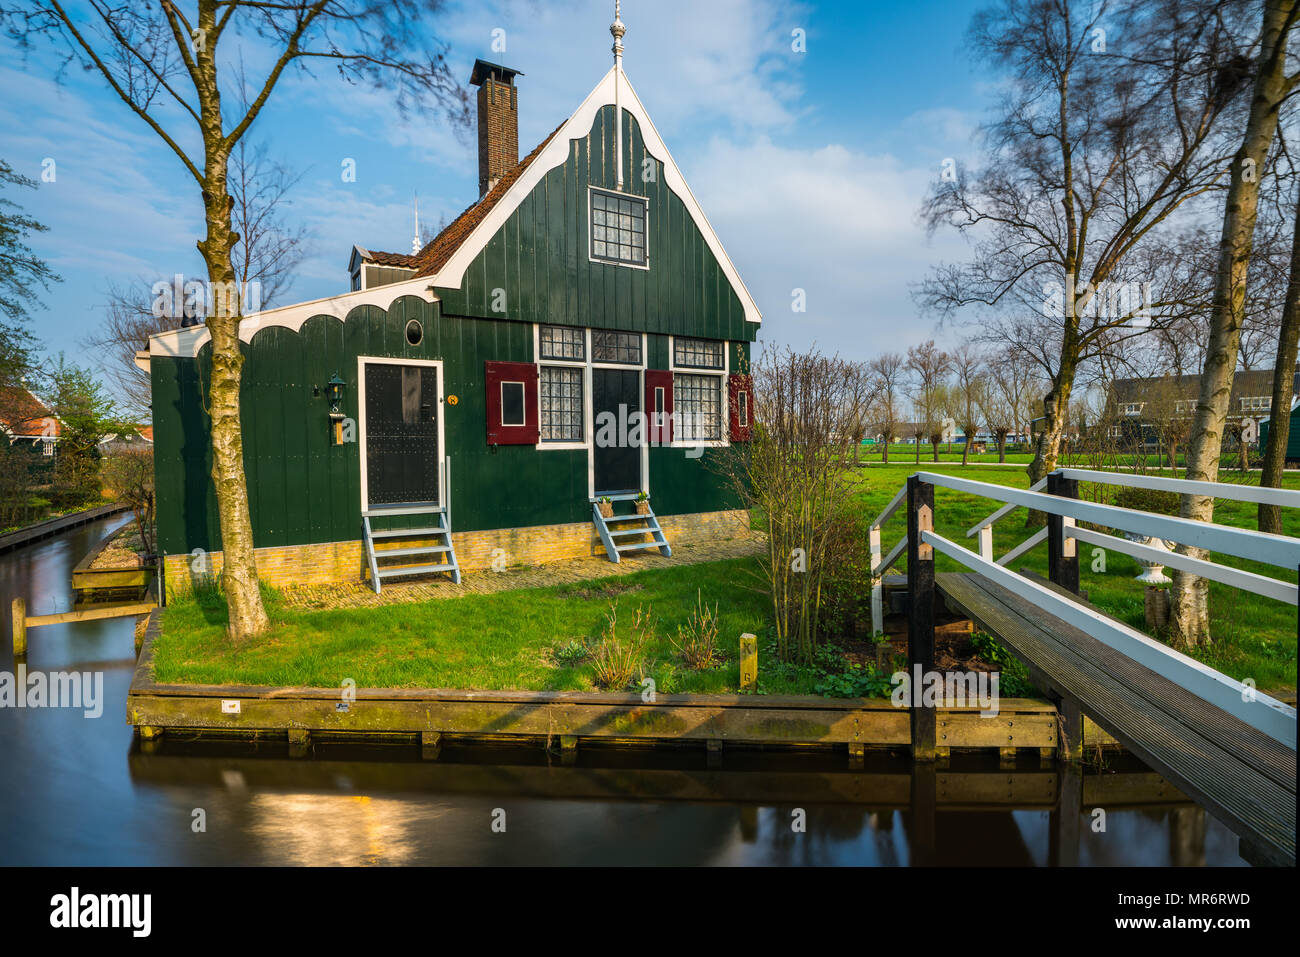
(79, 790)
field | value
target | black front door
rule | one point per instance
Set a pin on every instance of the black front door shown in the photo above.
(617, 462)
(401, 434)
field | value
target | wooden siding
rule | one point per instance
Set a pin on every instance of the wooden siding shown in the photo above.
(539, 257)
(304, 490)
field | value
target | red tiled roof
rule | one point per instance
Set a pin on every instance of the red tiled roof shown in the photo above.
(436, 254)
(22, 414)
(404, 260)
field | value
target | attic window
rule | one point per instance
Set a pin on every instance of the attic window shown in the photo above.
(618, 228)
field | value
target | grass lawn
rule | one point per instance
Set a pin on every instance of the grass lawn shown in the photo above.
(506, 640)
(540, 638)
(1255, 637)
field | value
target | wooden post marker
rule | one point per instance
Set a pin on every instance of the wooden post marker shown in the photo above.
(748, 662)
(19, 609)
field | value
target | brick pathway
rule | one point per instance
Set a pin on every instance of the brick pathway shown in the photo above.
(360, 595)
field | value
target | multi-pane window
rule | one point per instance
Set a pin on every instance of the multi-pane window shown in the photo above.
(697, 353)
(697, 404)
(609, 346)
(618, 228)
(1132, 408)
(561, 404)
(1185, 405)
(1256, 403)
(562, 342)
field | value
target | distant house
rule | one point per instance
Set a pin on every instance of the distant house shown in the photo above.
(1137, 407)
(25, 420)
(141, 437)
(1293, 436)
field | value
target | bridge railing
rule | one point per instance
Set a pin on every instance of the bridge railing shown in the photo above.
(1064, 511)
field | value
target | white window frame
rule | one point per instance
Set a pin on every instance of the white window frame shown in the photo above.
(723, 375)
(618, 262)
(523, 391)
(362, 361)
(588, 409)
(586, 404)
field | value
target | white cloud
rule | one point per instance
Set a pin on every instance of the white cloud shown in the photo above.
(838, 223)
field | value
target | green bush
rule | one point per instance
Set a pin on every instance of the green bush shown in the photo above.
(1013, 681)
(1146, 500)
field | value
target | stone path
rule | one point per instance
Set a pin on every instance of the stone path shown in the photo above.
(360, 595)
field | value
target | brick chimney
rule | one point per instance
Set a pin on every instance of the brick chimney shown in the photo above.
(498, 121)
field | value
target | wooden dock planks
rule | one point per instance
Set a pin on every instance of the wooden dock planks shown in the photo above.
(1239, 774)
(750, 719)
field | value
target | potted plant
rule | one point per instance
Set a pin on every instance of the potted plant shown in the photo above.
(642, 503)
(606, 506)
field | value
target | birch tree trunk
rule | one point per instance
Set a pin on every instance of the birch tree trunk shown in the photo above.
(246, 614)
(1189, 595)
(1279, 428)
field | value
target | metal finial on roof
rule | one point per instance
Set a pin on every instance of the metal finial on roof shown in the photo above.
(617, 30)
(415, 241)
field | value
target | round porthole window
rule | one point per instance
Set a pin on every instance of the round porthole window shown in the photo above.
(414, 332)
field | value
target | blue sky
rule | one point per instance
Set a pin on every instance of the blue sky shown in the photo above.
(811, 166)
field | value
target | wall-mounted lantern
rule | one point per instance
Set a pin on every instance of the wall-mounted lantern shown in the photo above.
(334, 395)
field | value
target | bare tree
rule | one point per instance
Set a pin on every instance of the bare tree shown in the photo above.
(1189, 595)
(929, 366)
(967, 393)
(266, 257)
(890, 376)
(795, 474)
(1007, 401)
(164, 64)
(1093, 150)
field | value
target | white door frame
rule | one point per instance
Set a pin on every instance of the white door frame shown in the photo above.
(362, 362)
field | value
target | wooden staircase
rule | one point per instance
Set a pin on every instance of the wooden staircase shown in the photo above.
(418, 558)
(627, 532)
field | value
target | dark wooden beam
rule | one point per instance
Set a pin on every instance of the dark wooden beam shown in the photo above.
(920, 617)
(1062, 552)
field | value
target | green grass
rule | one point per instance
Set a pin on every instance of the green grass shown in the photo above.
(1254, 637)
(532, 639)
(522, 639)
(903, 453)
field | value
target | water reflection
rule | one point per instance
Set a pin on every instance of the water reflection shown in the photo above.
(78, 791)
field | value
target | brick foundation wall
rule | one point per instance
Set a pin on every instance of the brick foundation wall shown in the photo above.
(322, 564)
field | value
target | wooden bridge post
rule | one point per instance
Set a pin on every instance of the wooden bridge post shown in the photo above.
(920, 614)
(1062, 552)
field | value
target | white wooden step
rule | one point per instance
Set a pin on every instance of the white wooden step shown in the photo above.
(423, 550)
(414, 570)
(406, 532)
(408, 510)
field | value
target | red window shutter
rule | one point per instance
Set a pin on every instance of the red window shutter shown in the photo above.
(740, 406)
(660, 431)
(497, 373)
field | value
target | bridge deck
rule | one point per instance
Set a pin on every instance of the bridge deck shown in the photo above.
(1241, 775)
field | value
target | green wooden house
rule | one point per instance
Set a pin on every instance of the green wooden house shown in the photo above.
(577, 334)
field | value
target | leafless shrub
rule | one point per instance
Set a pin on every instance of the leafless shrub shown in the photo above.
(616, 660)
(796, 475)
(697, 640)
